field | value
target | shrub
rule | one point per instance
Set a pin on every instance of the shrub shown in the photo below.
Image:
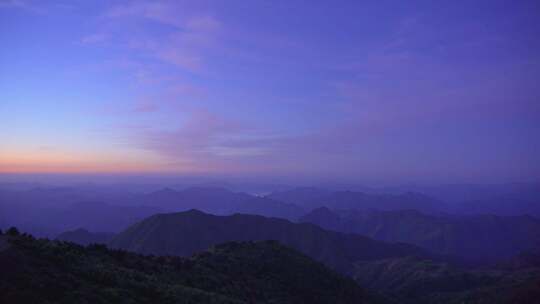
(12, 231)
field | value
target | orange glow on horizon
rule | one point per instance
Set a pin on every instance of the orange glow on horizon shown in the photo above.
(79, 163)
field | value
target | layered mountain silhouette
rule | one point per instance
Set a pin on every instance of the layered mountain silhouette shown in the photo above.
(185, 233)
(478, 237)
(312, 198)
(220, 201)
(43, 271)
(509, 199)
(498, 199)
(398, 244)
(50, 211)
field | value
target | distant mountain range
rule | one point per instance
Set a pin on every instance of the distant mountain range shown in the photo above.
(185, 233)
(93, 216)
(458, 193)
(478, 237)
(503, 199)
(312, 198)
(51, 211)
(48, 212)
(220, 201)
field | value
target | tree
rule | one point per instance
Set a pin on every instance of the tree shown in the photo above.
(12, 231)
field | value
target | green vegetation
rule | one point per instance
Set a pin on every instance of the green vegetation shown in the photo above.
(44, 271)
(12, 231)
(413, 280)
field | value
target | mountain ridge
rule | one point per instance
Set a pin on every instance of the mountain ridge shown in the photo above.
(184, 233)
(478, 237)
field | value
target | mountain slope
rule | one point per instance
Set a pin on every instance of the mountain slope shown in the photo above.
(412, 280)
(84, 237)
(479, 237)
(42, 271)
(184, 233)
(269, 208)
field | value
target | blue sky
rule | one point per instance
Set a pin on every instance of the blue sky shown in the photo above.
(360, 90)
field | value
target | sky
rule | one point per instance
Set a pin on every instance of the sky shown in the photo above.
(351, 90)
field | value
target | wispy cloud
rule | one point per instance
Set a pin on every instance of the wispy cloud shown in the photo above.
(26, 5)
(158, 11)
(206, 85)
(195, 141)
(184, 44)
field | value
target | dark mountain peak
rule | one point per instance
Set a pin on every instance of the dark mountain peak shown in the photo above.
(191, 213)
(184, 233)
(194, 212)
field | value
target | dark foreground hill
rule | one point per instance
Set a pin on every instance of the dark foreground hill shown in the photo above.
(185, 233)
(411, 280)
(43, 271)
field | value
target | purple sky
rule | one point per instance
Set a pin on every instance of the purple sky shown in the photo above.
(359, 90)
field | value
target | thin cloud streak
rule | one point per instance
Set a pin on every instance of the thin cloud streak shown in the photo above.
(351, 91)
